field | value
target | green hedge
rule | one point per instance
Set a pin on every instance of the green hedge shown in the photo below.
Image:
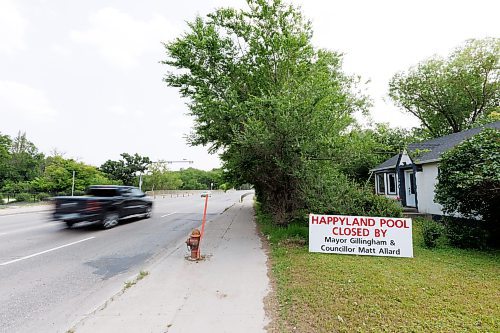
(20, 197)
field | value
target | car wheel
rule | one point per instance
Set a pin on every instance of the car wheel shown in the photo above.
(110, 220)
(69, 224)
(149, 212)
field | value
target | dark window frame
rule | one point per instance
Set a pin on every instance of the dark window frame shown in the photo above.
(379, 177)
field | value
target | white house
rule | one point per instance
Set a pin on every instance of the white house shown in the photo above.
(413, 181)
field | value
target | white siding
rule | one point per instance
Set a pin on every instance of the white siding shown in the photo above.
(426, 181)
(405, 160)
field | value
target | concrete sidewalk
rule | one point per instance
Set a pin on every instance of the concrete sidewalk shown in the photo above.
(13, 209)
(223, 293)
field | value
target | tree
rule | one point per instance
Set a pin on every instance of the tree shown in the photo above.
(5, 143)
(25, 159)
(160, 178)
(127, 168)
(469, 178)
(194, 179)
(366, 148)
(58, 176)
(263, 97)
(453, 94)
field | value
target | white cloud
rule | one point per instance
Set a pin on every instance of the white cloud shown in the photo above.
(12, 28)
(18, 99)
(122, 39)
(60, 50)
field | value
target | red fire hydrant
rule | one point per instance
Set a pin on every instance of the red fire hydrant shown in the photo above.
(193, 243)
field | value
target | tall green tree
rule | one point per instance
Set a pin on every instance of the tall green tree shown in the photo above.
(264, 97)
(5, 143)
(363, 149)
(469, 178)
(25, 160)
(58, 176)
(449, 95)
(127, 168)
(159, 177)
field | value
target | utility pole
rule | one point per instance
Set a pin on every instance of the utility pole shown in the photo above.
(73, 184)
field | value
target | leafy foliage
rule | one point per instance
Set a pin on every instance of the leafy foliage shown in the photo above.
(5, 143)
(264, 97)
(193, 179)
(24, 197)
(451, 95)
(160, 178)
(469, 184)
(126, 169)
(58, 176)
(431, 232)
(469, 233)
(366, 148)
(469, 178)
(23, 161)
(330, 192)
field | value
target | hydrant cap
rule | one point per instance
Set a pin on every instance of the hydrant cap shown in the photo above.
(196, 233)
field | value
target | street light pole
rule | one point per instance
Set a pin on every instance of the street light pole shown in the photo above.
(73, 184)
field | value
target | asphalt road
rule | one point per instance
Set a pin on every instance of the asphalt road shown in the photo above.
(52, 276)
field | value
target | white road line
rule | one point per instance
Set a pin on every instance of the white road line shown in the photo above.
(169, 214)
(46, 251)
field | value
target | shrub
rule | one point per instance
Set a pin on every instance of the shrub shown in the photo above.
(296, 232)
(466, 233)
(23, 197)
(431, 232)
(335, 194)
(469, 177)
(43, 196)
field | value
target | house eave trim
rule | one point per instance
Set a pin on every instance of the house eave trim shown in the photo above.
(390, 167)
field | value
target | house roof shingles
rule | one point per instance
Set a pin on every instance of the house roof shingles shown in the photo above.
(389, 164)
(432, 149)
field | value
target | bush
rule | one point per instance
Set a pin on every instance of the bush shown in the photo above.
(465, 233)
(431, 232)
(43, 196)
(335, 194)
(469, 178)
(296, 232)
(23, 197)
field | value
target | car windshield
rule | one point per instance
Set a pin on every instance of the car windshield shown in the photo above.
(102, 192)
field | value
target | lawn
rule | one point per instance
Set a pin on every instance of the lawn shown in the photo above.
(439, 290)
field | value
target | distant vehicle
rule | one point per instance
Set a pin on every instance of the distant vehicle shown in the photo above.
(206, 194)
(103, 204)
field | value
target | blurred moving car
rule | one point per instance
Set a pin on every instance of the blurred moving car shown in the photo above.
(206, 194)
(103, 204)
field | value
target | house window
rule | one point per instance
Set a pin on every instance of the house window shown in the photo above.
(380, 183)
(391, 183)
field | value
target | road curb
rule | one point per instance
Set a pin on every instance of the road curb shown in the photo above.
(25, 212)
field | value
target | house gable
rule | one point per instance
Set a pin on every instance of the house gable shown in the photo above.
(424, 166)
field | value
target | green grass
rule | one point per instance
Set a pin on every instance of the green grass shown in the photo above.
(439, 290)
(139, 277)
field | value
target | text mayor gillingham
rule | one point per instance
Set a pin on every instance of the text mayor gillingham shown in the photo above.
(361, 235)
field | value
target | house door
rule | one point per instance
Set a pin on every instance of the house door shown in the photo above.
(410, 188)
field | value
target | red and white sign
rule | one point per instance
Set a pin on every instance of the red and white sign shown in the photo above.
(361, 235)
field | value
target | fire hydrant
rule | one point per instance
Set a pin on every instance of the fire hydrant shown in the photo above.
(193, 243)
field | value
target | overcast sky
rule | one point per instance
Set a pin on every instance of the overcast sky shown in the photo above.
(83, 76)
